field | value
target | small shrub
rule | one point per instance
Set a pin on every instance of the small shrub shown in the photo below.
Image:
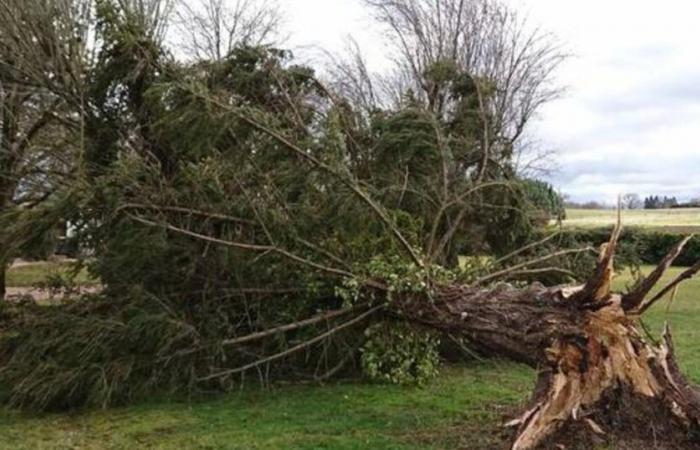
(400, 354)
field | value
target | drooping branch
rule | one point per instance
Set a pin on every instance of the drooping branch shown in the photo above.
(185, 210)
(292, 326)
(247, 246)
(295, 349)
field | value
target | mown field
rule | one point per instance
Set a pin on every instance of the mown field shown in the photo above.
(681, 220)
(463, 409)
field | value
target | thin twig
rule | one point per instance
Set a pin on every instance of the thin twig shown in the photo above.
(541, 271)
(289, 327)
(522, 250)
(634, 298)
(246, 246)
(184, 210)
(518, 267)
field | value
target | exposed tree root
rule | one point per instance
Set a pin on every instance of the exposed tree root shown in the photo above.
(600, 381)
(601, 386)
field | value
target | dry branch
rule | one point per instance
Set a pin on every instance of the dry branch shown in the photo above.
(636, 297)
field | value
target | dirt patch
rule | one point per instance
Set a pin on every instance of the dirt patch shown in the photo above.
(19, 262)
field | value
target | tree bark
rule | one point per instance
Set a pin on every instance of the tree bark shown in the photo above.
(599, 380)
(3, 280)
(3, 262)
(6, 190)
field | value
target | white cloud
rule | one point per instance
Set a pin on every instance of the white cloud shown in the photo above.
(630, 119)
(629, 122)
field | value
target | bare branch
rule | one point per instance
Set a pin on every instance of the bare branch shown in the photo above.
(289, 327)
(245, 246)
(634, 298)
(212, 29)
(518, 267)
(686, 275)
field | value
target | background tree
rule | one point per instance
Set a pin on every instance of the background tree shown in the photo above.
(547, 204)
(656, 202)
(212, 29)
(632, 201)
(41, 51)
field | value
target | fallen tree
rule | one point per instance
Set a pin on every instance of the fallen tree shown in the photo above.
(599, 379)
(246, 216)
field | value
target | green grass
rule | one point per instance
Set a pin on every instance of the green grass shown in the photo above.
(40, 272)
(682, 220)
(463, 408)
(683, 316)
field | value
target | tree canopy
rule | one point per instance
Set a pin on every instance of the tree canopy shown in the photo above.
(241, 195)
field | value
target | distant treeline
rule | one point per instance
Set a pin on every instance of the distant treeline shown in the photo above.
(657, 202)
(634, 201)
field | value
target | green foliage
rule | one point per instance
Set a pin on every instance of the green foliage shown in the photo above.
(546, 202)
(404, 277)
(94, 353)
(223, 199)
(400, 354)
(338, 416)
(640, 245)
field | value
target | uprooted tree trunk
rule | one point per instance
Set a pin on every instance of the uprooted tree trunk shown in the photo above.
(599, 380)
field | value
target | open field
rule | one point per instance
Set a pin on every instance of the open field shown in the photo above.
(462, 409)
(682, 220)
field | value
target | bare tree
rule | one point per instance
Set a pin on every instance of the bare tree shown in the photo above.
(473, 64)
(511, 63)
(211, 29)
(632, 201)
(40, 101)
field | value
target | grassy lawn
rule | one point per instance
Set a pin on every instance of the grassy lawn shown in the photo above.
(462, 409)
(682, 220)
(32, 274)
(684, 318)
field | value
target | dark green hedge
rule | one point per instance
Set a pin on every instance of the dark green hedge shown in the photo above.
(647, 246)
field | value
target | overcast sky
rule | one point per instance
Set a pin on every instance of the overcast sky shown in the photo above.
(630, 118)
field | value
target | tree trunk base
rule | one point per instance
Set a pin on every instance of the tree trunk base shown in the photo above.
(601, 383)
(624, 420)
(608, 386)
